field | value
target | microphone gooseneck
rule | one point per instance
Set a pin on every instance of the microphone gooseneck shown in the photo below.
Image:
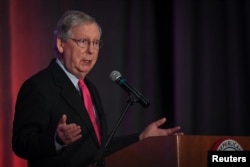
(117, 78)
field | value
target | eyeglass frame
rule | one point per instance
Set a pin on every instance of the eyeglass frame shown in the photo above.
(88, 42)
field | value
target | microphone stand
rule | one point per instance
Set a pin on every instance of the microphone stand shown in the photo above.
(101, 152)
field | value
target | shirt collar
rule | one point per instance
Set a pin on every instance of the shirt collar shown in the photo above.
(73, 78)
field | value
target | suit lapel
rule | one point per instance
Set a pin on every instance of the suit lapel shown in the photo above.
(70, 94)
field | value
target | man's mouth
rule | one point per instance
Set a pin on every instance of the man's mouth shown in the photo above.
(87, 61)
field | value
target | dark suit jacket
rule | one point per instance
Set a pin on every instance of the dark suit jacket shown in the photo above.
(41, 102)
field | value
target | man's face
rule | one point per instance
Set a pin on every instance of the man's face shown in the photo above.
(80, 60)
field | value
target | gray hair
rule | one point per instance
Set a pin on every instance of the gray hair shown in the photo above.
(68, 20)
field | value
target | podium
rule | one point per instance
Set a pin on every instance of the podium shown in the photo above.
(172, 151)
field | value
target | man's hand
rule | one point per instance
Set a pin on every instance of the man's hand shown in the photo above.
(67, 133)
(154, 130)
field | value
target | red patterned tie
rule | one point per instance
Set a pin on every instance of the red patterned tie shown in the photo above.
(89, 106)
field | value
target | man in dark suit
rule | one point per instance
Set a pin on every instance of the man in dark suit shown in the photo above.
(51, 125)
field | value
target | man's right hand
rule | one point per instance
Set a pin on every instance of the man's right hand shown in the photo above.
(67, 133)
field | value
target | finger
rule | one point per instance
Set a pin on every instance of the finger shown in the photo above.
(76, 131)
(73, 129)
(76, 138)
(178, 133)
(175, 129)
(63, 119)
(73, 134)
(68, 128)
(72, 139)
(160, 122)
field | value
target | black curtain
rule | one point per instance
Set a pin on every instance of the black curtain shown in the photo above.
(212, 61)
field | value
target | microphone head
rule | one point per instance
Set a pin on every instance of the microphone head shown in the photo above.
(114, 75)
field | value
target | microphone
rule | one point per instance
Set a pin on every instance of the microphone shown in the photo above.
(117, 78)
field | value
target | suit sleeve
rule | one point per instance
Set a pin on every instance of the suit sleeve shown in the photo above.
(30, 135)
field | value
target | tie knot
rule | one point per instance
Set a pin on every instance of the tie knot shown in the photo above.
(81, 84)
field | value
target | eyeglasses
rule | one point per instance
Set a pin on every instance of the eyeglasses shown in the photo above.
(84, 43)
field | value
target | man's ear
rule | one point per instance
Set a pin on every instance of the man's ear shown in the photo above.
(59, 45)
